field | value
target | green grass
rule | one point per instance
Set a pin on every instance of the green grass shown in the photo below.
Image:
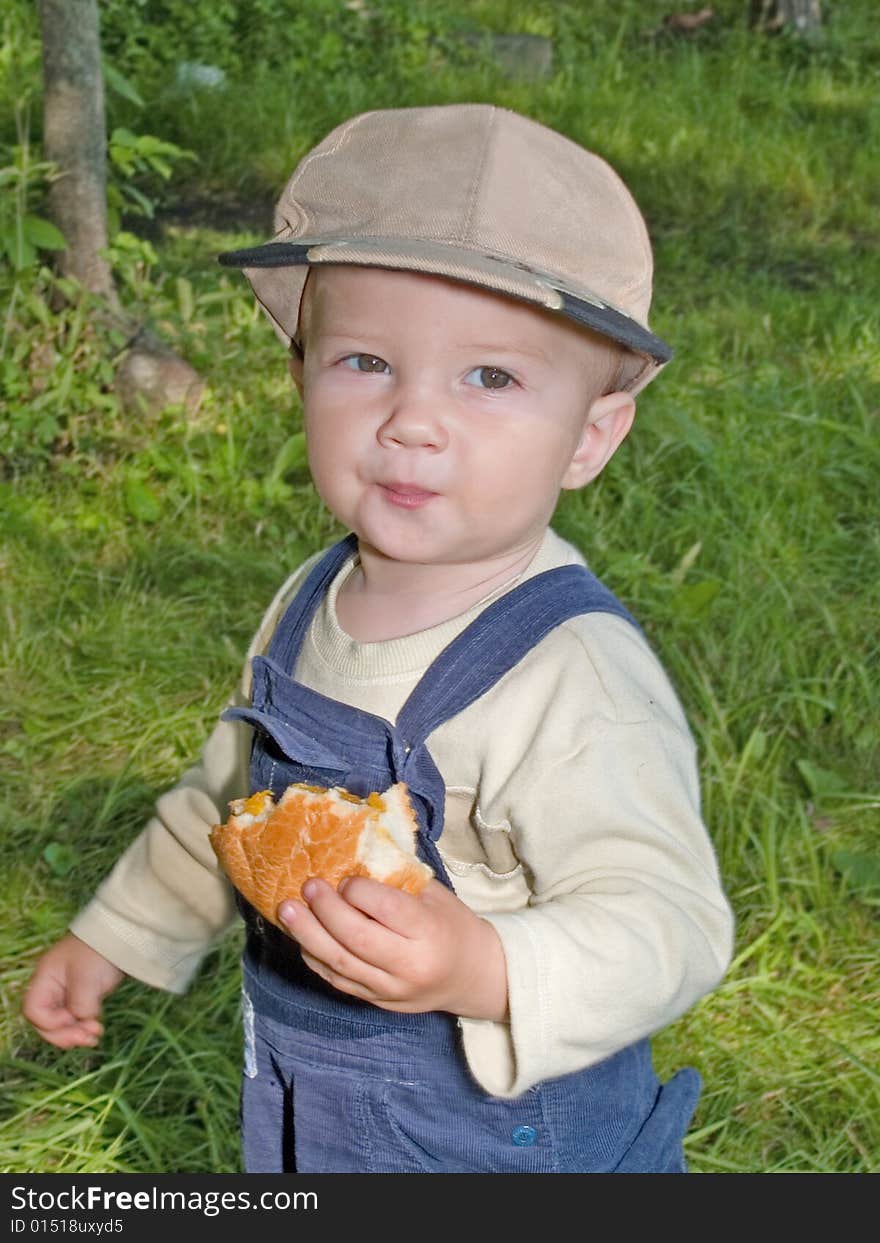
(739, 521)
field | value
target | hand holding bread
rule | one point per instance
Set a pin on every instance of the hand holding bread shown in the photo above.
(269, 849)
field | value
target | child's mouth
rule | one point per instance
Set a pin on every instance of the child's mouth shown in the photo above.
(406, 495)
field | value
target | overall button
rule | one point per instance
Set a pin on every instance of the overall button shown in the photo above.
(524, 1136)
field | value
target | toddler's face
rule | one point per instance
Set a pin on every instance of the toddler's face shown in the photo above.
(442, 421)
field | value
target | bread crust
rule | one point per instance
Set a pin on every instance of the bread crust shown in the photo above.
(269, 850)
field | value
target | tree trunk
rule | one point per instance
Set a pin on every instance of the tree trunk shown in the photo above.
(804, 17)
(150, 376)
(75, 139)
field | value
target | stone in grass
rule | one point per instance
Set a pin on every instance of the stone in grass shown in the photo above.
(151, 377)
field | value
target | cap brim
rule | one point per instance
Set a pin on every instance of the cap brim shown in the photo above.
(485, 271)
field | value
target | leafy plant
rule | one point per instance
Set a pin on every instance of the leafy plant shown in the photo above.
(134, 162)
(133, 259)
(23, 233)
(56, 371)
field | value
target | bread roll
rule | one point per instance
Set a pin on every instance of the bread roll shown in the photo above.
(269, 850)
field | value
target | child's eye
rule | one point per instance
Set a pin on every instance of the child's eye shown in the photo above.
(365, 362)
(489, 377)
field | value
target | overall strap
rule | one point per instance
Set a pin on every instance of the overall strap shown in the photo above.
(350, 744)
(497, 640)
(291, 630)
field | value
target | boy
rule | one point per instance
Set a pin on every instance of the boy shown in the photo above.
(465, 297)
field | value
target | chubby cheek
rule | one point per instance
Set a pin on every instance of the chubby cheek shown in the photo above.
(330, 457)
(331, 418)
(514, 473)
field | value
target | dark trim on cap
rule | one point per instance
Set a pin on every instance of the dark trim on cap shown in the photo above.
(612, 324)
(270, 255)
(602, 319)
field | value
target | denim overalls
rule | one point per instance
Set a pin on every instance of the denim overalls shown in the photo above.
(336, 1085)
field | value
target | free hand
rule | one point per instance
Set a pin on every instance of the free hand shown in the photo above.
(63, 999)
(400, 952)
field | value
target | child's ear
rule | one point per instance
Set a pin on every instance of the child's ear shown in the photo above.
(607, 423)
(295, 367)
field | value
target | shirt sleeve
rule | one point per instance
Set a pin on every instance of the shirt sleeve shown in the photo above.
(166, 901)
(627, 924)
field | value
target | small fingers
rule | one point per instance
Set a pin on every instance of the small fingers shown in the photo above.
(45, 1009)
(55, 1018)
(399, 912)
(344, 983)
(315, 939)
(72, 1034)
(340, 941)
(364, 939)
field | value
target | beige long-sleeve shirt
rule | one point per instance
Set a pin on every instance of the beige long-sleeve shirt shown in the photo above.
(572, 823)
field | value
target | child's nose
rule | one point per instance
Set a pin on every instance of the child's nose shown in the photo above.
(415, 420)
